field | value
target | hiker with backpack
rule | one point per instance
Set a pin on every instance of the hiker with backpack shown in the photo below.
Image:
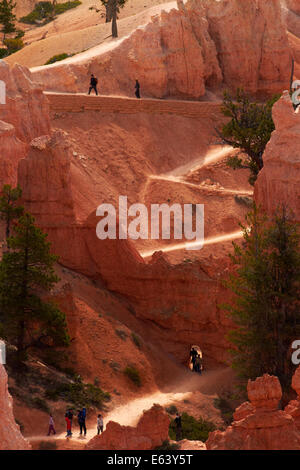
(93, 84)
(81, 421)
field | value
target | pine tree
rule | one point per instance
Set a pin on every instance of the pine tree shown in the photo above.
(112, 9)
(9, 210)
(250, 130)
(266, 308)
(7, 16)
(27, 273)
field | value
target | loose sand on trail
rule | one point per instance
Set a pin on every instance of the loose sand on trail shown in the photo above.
(191, 393)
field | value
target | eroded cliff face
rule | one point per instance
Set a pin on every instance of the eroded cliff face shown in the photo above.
(24, 116)
(278, 181)
(181, 53)
(293, 17)
(181, 301)
(259, 424)
(10, 435)
(257, 62)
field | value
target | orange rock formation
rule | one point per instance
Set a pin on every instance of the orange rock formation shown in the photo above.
(278, 182)
(10, 435)
(151, 431)
(259, 425)
(180, 53)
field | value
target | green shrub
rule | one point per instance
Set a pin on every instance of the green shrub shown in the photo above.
(3, 52)
(133, 374)
(226, 409)
(166, 445)
(40, 404)
(20, 33)
(57, 58)
(13, 45)
(46, 11)
(244, 200)
(79, 394)
(42, 10)
(122, 334)
(192, 429)
(172, 409)
(62, 7)
(115, 366)
(136, 340)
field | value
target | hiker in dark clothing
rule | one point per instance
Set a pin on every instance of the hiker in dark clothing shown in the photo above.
(198, 364)
(83, 411)
(93, 84)
(81, 421)
(193, 355)
(137, 89)
(178, 427)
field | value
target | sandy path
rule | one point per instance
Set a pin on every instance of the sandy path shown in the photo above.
(177, 179)
(79, 37)
(203, 388)
(215, 154)
(193, 245)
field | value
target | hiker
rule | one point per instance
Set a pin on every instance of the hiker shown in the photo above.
(93, 84)
(69, 418)
(137, 89)
(51, 426)
(178, 427)
(198, 365)
(99, 424)
(69, 427)
(193, 354)
(81, 421)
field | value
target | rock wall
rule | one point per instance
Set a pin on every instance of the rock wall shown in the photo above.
(259, 424)
(278, 182)
(257, 62)
(24, 117)
(293, 408)
(294, 6)
(181, 301)
(151, 431)
(201, 44)
(26, 106)
(10, 435)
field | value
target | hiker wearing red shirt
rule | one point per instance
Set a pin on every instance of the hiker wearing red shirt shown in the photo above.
(68, 418)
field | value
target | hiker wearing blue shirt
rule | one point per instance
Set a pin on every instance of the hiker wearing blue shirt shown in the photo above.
(81, 421)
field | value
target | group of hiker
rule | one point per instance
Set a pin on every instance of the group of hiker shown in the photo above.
(197, 366)
(94, 84)
(81, 418)
(196, 360)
